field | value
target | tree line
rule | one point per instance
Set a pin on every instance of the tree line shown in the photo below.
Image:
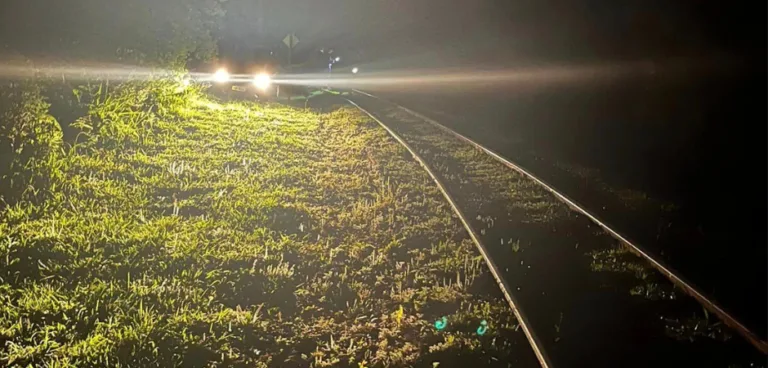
(166, 33)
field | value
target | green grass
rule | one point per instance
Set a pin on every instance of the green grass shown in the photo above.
(181, 230)
(515, 192)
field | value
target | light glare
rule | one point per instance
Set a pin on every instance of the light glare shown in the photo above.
(262, 81)
(221, 76)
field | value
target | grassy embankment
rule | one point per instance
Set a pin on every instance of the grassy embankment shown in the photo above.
(180, 230)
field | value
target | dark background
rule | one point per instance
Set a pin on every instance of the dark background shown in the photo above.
(693, 134)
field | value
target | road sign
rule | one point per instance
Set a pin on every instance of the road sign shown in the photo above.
(291, 40)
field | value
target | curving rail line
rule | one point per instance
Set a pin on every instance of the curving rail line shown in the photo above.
(659, 265)
(536, 344)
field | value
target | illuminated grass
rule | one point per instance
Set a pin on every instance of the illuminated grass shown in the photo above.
(185, 231)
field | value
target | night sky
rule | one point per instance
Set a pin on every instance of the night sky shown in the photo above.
(454, 32)
(505, 32)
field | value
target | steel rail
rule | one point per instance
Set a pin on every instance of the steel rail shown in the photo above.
(534, 341)
(659, 265)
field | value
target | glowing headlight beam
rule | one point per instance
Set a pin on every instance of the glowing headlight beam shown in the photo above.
(537, 76)
(462, 78)
(458, 78)
(262, 81)
(81, 72)
(221, 76)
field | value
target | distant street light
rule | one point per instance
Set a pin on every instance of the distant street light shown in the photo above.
(354, 70)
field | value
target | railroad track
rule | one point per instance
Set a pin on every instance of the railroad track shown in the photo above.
(593, 298)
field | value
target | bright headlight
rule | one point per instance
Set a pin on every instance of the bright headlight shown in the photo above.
(221, 76)
(262, 81)
(355, 70)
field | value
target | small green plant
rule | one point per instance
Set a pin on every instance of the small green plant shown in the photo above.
(399, 315)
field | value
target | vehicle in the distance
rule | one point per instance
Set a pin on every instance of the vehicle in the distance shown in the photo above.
(239, 75)
(253, 81)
